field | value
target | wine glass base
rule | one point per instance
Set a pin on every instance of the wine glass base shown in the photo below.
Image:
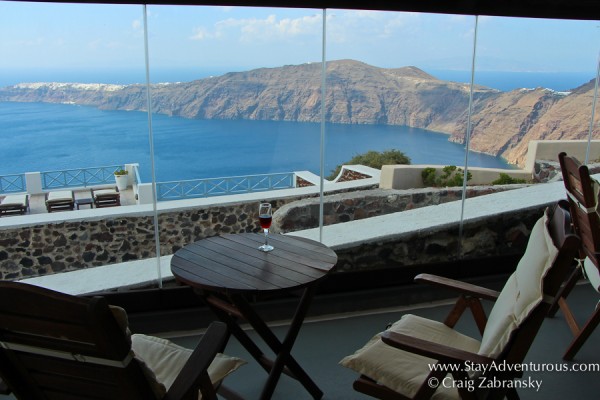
(266, 248)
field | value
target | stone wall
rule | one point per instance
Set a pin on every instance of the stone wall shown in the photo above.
(45, 249)
(502, 235)
(344, 207)
(549, 171)
(351, 175)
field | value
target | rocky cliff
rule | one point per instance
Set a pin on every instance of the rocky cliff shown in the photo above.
(357, 93)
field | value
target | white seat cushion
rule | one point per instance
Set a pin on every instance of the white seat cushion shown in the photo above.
(60, 195)
(402, 371)
(166, 359)
(15, 200)
(103, 192)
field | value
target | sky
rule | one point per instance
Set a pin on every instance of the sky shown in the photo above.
(54, 36)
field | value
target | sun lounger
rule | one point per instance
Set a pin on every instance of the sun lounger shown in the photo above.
(14, 204)
(60, 200)
(106, 197)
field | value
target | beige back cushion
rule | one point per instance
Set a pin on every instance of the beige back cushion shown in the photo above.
(522, 292)
(158, 388)
(165, 360)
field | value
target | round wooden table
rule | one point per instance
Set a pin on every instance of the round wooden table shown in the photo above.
(224, 270)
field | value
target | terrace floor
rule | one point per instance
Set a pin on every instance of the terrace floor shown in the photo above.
(324, 341)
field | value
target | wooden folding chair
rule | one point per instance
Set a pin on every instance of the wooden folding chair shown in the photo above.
(417, 358)
(57, 346)
(582, 193)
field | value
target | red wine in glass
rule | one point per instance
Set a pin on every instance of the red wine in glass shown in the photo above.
(265, 216)
(265, 221)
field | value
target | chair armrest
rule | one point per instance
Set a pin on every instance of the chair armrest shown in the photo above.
(462, 287)
(437, 351)
(194, 373)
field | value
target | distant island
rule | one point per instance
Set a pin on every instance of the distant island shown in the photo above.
(503, 123)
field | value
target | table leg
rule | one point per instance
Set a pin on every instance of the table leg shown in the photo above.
(282, 349)
(227, 315)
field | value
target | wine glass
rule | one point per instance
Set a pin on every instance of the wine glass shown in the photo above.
(265, 216)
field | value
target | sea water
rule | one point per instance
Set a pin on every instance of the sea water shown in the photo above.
(49, 137)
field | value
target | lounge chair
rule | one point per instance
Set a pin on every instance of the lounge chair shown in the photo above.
(106, 197)
(417, 358)
(14, 204)
(60, 200)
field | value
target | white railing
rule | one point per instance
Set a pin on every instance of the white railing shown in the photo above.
(80, 177)
(12, 183)
(177, 190)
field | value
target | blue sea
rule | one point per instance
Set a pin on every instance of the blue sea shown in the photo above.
(47, 137)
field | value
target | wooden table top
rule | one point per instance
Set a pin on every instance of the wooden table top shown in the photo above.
(234, 263)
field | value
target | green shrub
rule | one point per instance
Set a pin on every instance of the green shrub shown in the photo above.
(428, 176)
(374, 159)
(450, 176)
(506, 179)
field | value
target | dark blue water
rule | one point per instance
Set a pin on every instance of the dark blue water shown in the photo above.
(46, 137)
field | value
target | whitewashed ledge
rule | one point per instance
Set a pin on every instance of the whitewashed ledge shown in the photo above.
(390, 226)
(339, 236)
(127, 275)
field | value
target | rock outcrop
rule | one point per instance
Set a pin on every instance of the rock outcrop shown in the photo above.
(502, 122)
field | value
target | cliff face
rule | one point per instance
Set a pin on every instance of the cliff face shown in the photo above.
(500, 124)
(357, 93)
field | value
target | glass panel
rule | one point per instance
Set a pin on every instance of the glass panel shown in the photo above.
(236, 95)
(543, 72)
(391, 90)
(536, 80)
(68, 120)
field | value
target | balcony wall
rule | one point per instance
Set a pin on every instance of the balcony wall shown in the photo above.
(344, 207)
(41, 249)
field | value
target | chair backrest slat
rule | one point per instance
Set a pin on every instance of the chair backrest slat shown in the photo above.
(64, 347)
(582, 199)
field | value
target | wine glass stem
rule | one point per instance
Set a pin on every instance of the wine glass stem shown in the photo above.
(266, 237)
